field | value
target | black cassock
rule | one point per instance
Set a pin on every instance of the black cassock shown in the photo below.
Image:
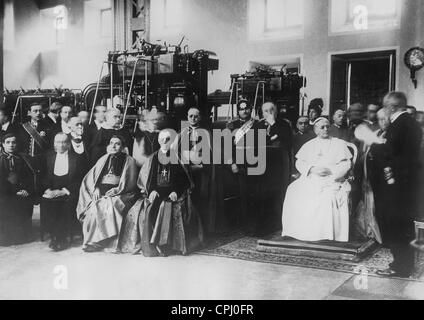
(16, 173)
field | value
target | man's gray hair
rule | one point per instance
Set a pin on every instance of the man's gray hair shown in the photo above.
(396, 99)
(61, 134)
(272, 104)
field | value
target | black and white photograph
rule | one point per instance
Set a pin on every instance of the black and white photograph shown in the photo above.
(211, 151)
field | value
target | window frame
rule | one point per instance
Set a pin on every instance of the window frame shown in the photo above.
(273, 34)
(102, 35)
(347, 27)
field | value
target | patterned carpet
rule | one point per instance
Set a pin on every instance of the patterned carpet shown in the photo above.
(237, 246)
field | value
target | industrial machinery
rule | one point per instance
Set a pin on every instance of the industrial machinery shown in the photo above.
(167, 77)
(16, 102)
(264, 84)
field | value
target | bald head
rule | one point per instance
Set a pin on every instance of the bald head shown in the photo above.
(193, 117)
(61, 143)
(113, 118)
(84, 117)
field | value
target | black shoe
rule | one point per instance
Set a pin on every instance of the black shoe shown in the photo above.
(390, 273)
(52, 244)
(90, 249)
(61, 246)
(387, 272)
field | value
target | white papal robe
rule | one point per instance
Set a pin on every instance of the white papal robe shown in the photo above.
(316, 208)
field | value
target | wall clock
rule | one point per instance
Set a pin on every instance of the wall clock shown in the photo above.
(414, 60)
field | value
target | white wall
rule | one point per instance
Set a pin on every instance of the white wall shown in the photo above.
(221, 26)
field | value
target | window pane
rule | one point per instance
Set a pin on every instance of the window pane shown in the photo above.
(294, 13)
(376, 8)
(274, 11)
(382, 8)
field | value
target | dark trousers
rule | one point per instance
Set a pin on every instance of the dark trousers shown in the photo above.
(398, 227)
(55, 218)
(249, 191)
(15, 220)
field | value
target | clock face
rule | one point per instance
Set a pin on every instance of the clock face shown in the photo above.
(414, 58)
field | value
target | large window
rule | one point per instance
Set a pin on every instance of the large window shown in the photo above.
(98, 22)
(275, 19)
(364, 15)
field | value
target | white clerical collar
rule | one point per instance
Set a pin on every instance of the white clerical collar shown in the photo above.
(396, 115)
(61, 166)
(52, 117)
(337, 126)
(5, 126)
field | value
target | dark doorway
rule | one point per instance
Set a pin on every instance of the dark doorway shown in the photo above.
(361, 77)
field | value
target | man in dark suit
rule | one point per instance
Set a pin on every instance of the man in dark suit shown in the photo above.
(275, 180)
(339, 129)
(99, 117)
(52, 117)
(111, 127)
(33, 136)
(5, 125)
(404, 140)
(62, 124)
(78, 138)
(61, 182)
(17, 193)
(248, 185)
(303, 134)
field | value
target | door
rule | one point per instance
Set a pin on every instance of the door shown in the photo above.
(361, 77)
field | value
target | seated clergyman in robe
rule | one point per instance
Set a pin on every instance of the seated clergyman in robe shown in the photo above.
(111, 127)
(106, 194)
(163, 220)
(316, 206)
(17, 193)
